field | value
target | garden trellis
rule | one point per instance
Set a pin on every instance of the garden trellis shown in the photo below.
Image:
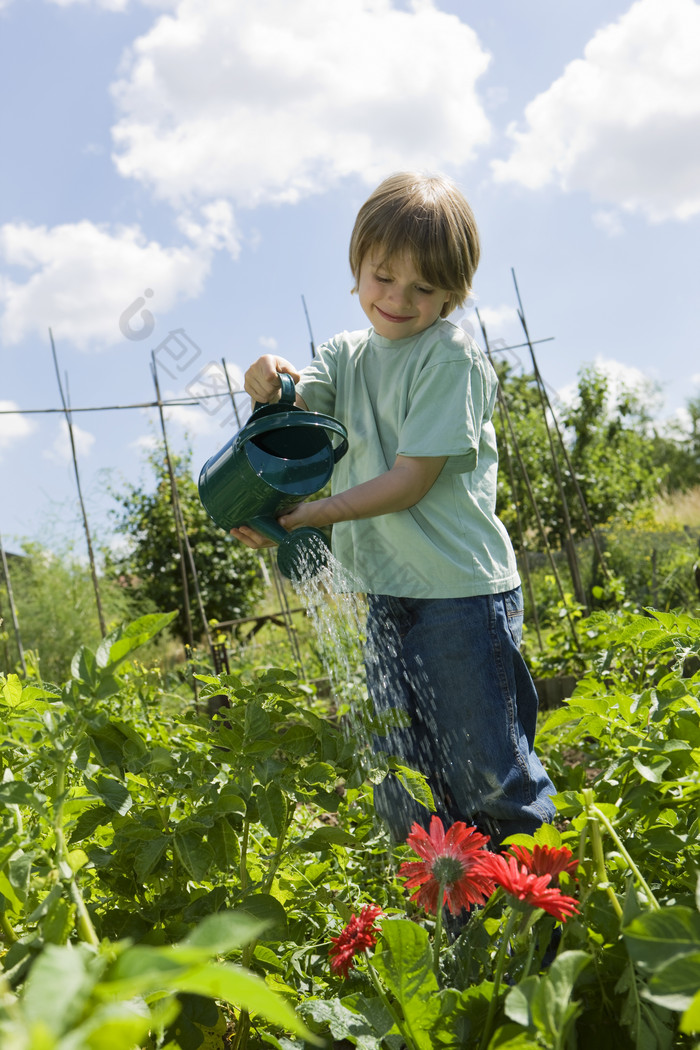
(510, 449)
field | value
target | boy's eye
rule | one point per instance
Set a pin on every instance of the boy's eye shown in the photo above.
(425, 291)
(382, 278)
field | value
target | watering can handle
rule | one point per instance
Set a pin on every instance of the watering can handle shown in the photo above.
(288, 393)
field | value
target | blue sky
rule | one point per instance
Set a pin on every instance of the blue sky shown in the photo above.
(203, 161)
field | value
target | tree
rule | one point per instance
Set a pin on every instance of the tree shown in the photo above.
(228, 574)
(619, 459)
(56, 610)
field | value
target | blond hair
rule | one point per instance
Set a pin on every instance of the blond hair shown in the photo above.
(427, 217)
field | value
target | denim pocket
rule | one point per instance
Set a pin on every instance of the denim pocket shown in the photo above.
(515, 613)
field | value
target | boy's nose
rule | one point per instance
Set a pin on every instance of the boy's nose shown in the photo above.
(400, 296)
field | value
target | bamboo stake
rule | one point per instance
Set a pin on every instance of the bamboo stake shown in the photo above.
(538, 516)
(174, 501)
(230, 393)
(13, 610)
(509, 463)
(570, 467)
(308, 325)
(86, 527)
(174, 401)
(548, 413)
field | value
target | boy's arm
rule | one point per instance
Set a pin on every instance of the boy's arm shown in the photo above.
(399, 488)
(410, 478)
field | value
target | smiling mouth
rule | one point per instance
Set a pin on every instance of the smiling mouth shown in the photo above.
(393, 317)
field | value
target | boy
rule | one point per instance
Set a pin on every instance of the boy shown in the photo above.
(412, 507)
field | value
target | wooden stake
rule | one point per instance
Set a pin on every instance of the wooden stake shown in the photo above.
(86, 527)
(13, 610)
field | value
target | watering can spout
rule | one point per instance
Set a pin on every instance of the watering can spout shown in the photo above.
(282, 455)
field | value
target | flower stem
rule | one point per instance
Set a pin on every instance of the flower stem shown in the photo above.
(84, 925)
(498, 977)
(600, 816)
(388, 1005)
(438, 930)
(599, 862)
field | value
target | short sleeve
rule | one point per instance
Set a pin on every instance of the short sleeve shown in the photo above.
(318, 382)
(450, 401)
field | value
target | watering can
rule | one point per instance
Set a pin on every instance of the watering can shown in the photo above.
(281, 456)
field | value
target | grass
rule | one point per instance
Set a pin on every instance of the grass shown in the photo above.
(678, 508)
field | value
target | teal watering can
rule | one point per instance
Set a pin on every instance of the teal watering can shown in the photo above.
(281, 456)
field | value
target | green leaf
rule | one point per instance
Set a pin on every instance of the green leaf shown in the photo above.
(58, 986)
(675, 984)
(229, 801)
(404, 962)
(553, 1011)
(19, 868)
(120, 643)
(12, 690)
(266, 909)
(144, 970)
(58, 922)
(149, 855)
(654, 773)
(272, 808)
(324, 838)
(112, 792)
(89, 821)
(257, 721)
(117, 1026)
(17, 793)
(195, 855)
(224, 844)
(364, 1022)
(654, 938)
(224, 932)
(318, 773)
(8, 892)
(415, 784)
(84, 666)
(690, 1021)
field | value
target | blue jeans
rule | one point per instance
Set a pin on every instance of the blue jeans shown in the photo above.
(453, 666)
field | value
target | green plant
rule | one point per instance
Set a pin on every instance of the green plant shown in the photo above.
(132, 834)
(150, 569)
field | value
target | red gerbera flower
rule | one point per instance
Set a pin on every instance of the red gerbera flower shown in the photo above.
(360, 933)
(527, 887)
(451, 859)
(546, 860)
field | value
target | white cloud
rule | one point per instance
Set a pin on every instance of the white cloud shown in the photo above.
(214, 414)
(13, 428)
(83, 278)
(60, 451)
(218, 230)
(621, 379)
(268, 342)
(112, 5)
(267, 100)
(609, 221)
(107, 5)
(623, 122)
(502, 324)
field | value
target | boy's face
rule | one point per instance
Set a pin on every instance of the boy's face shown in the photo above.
(395, 298)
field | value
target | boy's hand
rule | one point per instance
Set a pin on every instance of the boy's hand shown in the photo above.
(251, 538)
(314, 513)
(262, 381)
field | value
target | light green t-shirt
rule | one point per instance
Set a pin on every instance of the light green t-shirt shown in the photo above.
(427, 395)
